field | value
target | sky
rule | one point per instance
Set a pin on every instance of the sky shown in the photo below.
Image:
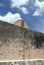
(31, 11)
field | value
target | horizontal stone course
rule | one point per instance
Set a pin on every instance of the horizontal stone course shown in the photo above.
(37, 62)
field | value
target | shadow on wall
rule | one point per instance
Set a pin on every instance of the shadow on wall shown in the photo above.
(38, 41)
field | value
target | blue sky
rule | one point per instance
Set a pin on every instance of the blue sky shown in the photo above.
(31, 11)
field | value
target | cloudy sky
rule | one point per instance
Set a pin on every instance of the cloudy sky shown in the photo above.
(31, 11)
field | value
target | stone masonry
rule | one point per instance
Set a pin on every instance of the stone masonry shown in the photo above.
(37, 62)
(18, 43)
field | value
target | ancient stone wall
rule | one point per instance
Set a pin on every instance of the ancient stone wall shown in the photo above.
(37, 62)
(17, 43)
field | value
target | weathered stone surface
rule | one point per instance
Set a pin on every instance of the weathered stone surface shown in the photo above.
(37, 62)
(21, 23)
(17, 43)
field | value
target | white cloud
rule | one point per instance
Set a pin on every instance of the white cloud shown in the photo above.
(11, 18)
(19, 3)
(40, 8)
(24, 10)
(36, 13)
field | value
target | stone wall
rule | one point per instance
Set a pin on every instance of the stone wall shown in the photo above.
(17, 43)
(37, 62)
